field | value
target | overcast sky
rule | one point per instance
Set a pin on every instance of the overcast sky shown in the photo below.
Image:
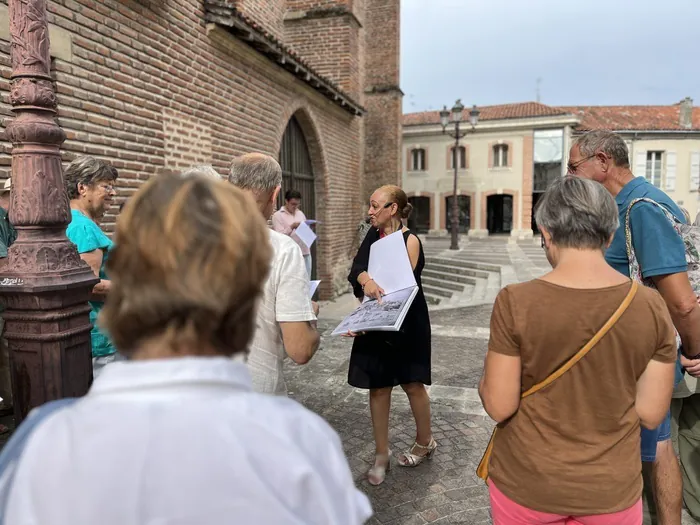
(587, 52)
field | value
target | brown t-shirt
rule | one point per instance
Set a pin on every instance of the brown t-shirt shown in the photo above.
(573, 448)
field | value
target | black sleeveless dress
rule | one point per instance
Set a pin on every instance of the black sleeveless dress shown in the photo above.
(387, 359)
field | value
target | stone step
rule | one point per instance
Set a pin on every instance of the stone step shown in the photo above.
(449, 269)
(463, 263)
(442, 283)
(431, 299)
(438, 292)
(453, 277)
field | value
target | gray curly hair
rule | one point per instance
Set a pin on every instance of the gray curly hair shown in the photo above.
(88, 171)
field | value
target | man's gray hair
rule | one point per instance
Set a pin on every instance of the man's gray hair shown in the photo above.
(578, 213)
(202, 169)
(87, 170)
(605, 141)
(255, 172)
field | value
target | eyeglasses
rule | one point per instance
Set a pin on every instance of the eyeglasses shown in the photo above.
(571, 168)
(109, 188)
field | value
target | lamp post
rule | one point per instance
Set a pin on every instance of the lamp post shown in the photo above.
(43, 282)
(456, 114)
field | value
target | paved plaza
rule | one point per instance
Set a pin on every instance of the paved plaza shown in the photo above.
(446, 489)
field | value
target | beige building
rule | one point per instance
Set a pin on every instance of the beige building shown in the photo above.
(515, 150)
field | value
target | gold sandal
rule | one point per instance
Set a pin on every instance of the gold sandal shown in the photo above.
(407, 459)
(377, 473)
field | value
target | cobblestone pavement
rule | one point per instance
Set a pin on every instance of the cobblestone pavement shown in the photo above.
(444, 490)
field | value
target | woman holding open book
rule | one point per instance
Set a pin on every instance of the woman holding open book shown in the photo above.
(382, 360)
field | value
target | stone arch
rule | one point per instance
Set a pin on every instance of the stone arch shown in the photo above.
(304, 115)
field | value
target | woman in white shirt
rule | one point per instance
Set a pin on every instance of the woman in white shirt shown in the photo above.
(175, 435)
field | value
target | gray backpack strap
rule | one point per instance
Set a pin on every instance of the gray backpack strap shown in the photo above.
(12, 451)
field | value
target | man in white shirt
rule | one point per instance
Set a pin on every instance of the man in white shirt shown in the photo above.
(286, 315)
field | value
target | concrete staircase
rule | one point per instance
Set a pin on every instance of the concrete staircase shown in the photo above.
(449, 281)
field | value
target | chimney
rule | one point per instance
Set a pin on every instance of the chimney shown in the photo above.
(686, 113)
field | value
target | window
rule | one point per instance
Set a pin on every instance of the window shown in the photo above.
(460, 153)
(418, 159)
(653, 171)
(500, 156)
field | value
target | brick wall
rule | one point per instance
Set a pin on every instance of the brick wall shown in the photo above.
(331, 46)
(151, 89)
(382, 161)
(268, 14)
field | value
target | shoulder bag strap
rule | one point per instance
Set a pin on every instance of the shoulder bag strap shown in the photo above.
(482, 470)
(587, 348)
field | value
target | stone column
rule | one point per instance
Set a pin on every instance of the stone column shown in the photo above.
(44, 283)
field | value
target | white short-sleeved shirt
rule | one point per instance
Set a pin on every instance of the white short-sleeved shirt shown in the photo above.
(183, 442)
(285, 298)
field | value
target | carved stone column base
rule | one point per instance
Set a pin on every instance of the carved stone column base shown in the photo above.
(49, 337)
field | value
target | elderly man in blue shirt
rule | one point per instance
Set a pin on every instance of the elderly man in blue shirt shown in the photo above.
(603, 157)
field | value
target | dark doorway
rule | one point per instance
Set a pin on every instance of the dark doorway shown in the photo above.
(298, 174)
(499, 213)
(464, 204)
(419, 221)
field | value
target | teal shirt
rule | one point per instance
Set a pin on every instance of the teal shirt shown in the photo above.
(7, 233)
(87, 237)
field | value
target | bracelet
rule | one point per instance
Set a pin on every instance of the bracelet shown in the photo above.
(368, 280)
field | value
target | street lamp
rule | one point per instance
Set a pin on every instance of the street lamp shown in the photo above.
(456, 115)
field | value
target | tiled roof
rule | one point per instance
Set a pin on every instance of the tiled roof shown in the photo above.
(500, 112)
(222, 12)
(620, 118)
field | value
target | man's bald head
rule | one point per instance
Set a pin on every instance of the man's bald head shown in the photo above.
(255, 172)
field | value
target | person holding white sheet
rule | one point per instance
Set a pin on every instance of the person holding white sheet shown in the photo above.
(288, 218)
(382, 360)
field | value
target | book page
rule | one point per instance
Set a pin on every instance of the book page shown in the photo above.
(313, 286)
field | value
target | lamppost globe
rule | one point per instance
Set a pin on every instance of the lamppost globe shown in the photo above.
(474, 116)
(457, 111)
(444, 117)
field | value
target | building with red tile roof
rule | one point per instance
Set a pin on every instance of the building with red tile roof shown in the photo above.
(506, 162)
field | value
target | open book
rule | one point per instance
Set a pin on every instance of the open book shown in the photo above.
(390, 268)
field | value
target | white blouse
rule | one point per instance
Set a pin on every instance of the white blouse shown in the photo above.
(183, 442)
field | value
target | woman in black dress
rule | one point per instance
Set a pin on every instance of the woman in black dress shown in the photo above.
(382, 360)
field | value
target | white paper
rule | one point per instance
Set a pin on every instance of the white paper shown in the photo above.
(313, 286)
(389, 264)
(311, 221)
(305, 234)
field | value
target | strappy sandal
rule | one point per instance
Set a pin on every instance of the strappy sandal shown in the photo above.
(377, 473)
(407, 459)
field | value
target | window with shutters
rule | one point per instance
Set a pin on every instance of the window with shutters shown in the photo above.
(500, 156)
(695, 171)
(670, 175)
(653, 167)
(459, 155)
(418, 159)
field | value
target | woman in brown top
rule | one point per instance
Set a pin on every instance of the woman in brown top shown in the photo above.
(570, 453)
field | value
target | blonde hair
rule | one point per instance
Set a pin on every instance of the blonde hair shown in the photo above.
(397, 195)
(190, 258)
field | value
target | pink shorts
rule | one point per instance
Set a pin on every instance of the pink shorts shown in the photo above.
(506, 512)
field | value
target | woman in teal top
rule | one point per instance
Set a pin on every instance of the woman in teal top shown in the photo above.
(90, 186)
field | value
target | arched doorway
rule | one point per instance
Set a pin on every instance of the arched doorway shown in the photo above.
(298, 174)
(499, 213)
(419, 221)
(464, 204)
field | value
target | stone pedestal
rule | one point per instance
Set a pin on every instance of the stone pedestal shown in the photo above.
(44, 285)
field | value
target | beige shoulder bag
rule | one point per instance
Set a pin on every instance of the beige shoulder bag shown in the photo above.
(483, 469)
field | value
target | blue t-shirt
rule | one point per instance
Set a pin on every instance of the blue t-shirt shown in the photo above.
(659, 248)
(657, 245)
(87, 237)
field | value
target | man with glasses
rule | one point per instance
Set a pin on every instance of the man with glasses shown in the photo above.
(602, 156)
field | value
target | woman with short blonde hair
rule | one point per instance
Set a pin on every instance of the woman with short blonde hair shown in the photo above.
(176, 434)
